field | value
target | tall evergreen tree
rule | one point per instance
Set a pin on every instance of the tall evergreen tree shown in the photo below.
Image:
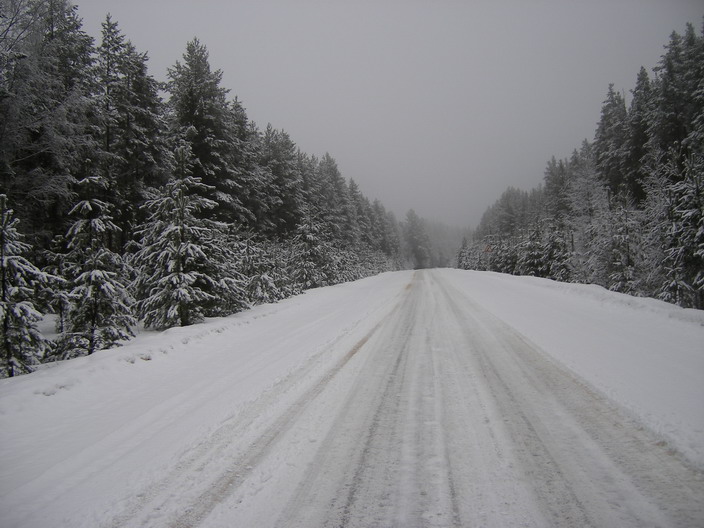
(280, 157)
(201, 114)
(684, 252)
(181, 264)
(100, 315)
(267, 266)
(252, 200)
(46, 120)
(417, 240)
(22, 346)
(638, 122)
(588, 219)
(610, 140)
(624, 245)
(555, 191)
(333, 200)
(132, 127)
(358, 216)
(314, 257)
(676, 104)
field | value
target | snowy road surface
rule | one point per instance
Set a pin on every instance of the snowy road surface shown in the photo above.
(427, 410)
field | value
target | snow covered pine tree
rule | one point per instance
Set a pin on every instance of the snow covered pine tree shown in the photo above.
(22, 344)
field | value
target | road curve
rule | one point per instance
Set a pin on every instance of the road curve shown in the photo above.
(443, 416)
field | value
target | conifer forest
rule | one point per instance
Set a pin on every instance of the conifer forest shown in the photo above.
(626, 210)
(126, 201)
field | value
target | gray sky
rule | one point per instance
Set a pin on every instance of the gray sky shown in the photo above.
(432, 105)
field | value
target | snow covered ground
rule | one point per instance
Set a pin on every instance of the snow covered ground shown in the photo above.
(235, 416)
(646, 355)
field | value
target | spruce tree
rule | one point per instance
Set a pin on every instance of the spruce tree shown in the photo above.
(100, 315)
(280, 158)
(530, 254)
(22, 345)
(358, 221)
(624, 246)
(315, 259)
(555, 191)
(268, 268)
(185, 266)
(332, 200)
(610, 142)
(639, 114)
(132, 128)
(200, 113)
(684, 250)
(47, 115)
(417, 240)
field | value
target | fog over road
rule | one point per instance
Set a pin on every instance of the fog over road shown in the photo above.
(441, 415)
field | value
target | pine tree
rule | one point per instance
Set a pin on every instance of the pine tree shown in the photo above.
(131, 128)
(21, 344)
(588, 222)
(417, 240)
(252, 200)
(695, 139)
(101, 307)
(391, 238)
(280, 158)
(315, 259)
(530, 254)
(201, 114)
(684, 253)
(555, 191)
(610, 140)
(57, 293)
(46, 120)
(268, 272)
(331, 200)
(181, 269)
(358, 226)
(505, 256)
(639, 114)
(624, 246)
(226, 252)
(556, 254)
(675, 107)
(111, 55)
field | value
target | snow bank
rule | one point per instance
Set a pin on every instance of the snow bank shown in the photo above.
(646, 355)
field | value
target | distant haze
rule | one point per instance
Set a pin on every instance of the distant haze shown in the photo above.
(431, 105)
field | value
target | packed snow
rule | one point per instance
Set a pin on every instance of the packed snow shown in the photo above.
(644, 354)
(83, 441)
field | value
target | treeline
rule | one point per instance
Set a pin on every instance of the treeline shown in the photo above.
(625, 211)
(117, 206)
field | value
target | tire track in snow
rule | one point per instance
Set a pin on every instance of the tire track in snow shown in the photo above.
(385, 460)
(144, 511)
(339, 476)
(449, 417)
(233, 478)
(589, 464)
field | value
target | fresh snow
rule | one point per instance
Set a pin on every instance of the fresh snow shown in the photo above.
(80, 440)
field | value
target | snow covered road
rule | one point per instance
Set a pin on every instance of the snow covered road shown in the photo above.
(425, 409)
(448, 417)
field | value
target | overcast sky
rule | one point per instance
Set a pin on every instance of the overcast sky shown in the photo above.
(433, 105)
